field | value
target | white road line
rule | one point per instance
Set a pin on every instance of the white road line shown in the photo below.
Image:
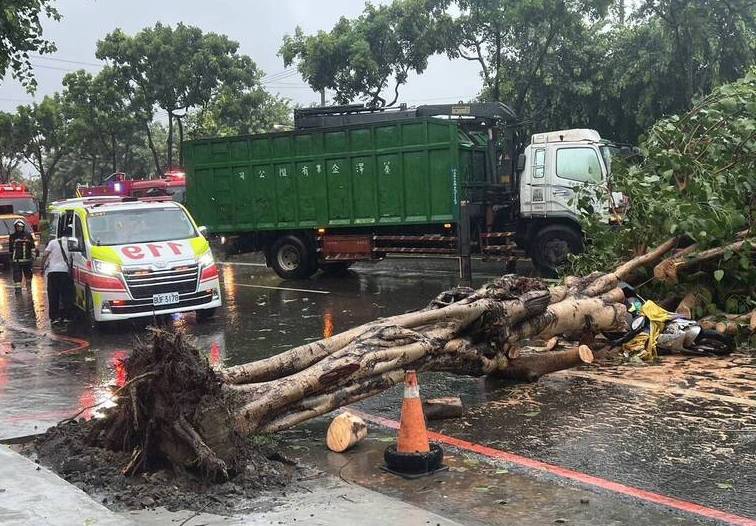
(280, 288)
(241, 264)
(680, 391)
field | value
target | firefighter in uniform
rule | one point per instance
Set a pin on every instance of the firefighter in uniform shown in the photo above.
(22, 253)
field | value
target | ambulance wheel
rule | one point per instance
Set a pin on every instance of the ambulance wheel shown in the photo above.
(205, 314)
(292, 258)
(91, 311)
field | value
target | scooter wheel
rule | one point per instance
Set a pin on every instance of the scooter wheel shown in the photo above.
(713, 342)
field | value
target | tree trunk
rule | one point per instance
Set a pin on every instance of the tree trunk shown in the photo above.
(151, 144)
(179, 410)
(170, 139)
(113, 153)
(181, 140)
(531, 367)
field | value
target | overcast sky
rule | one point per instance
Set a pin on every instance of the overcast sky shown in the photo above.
(258, 26)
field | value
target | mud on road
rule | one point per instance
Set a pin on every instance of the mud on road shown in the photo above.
(97, 471)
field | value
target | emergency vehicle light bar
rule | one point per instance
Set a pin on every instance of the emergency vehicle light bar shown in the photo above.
(12, 187)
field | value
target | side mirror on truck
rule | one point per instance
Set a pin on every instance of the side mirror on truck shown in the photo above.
(521, 162)
(202, 231)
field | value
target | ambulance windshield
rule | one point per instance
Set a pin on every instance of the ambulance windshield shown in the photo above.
(119, 227)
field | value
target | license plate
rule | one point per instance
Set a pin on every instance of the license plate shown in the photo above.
(169, 298)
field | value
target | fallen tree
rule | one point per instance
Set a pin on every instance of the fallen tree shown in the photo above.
(176, 410)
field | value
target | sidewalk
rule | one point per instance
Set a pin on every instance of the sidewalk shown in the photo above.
(31, 495)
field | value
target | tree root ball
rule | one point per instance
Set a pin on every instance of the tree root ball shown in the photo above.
(172, 412)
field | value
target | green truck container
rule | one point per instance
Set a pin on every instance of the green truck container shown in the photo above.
(406, 172)
(354, 183)
(347, 184)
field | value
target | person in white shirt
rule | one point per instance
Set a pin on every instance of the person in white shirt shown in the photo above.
(57, 268)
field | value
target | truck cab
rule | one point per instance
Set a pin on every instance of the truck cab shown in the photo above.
(551, 169)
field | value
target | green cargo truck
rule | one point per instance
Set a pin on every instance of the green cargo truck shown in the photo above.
(353, 184)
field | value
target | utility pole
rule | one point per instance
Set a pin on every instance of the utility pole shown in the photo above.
(322, 97)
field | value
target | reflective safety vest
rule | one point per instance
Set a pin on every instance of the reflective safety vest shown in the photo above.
(21, 246)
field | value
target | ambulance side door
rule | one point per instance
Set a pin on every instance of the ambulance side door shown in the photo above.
(79, 263)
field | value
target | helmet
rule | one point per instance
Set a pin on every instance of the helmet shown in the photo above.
(19, 222)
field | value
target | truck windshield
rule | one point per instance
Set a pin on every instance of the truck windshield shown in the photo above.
(21, 205)
(608, 152)
(120, 227)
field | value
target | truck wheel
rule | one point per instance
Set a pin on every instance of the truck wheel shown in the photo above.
(335, 267)
(552, 245)
(291, 258)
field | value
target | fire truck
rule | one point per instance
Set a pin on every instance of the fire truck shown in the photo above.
(15, 198)
(171, 186)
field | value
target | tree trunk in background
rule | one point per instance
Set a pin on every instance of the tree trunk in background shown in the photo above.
(170, 140)
(113, 152)
(151, 144)
(181, 141)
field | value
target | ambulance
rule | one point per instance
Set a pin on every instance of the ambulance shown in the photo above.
(133, 259)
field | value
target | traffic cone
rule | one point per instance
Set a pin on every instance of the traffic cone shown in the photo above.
(413, 435)
(413, 456)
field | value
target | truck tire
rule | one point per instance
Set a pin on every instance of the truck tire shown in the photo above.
(551, 246)
(292, 258)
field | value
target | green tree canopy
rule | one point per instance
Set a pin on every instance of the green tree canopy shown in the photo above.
(606, 64)
(43, 131)
(234, 113)
(359, 58)
(177, 70)
(11, 148)
(697, 179)
(21, 34)
(103, 121)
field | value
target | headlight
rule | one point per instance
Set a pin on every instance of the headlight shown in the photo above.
(206, 259)
(103, 267)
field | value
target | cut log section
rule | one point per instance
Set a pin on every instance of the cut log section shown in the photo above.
(531, 367)
(441, 408)
(345, 431)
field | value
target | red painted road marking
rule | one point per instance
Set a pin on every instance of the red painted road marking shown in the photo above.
(671, 502)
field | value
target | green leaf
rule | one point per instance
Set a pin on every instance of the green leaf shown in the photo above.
(724, 485)
(718, 274)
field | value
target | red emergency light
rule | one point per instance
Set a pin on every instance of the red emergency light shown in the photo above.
(175, 174)
(13, 187)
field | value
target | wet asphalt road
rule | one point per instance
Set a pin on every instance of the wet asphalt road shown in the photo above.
(685, 428)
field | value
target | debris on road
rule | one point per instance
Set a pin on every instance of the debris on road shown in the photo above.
(345, 431)
(443, 408)
(68, 450)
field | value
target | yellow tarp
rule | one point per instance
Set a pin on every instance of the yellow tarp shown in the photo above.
(644, 345)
